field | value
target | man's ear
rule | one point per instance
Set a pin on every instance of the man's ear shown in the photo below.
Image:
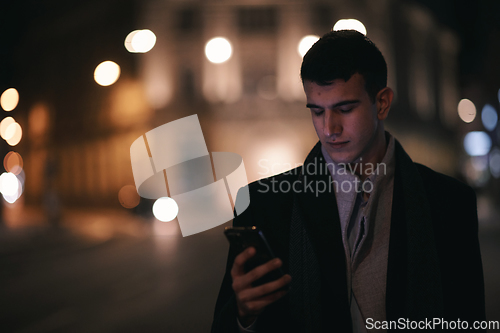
(384, 100)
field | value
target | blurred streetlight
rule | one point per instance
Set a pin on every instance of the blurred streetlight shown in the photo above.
(218, 50)
(128, 196)
(9, 99)
(305, 44)
(489, 117)
(106, 73)
(4, 124)
(13, 134)
(477, 143)
(165, 209)
(350, 24)
(495, 162)
(13, 162)
(10, 187)
(140, 41)
(466, 110)
(38, 120)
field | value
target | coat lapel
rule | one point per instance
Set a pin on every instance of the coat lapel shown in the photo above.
(316, 210)
(413, 275)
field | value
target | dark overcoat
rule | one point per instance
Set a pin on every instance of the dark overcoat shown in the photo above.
(434, 265)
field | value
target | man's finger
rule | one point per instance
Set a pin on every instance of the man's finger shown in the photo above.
(239, 262)
(260, 271)
(261, 292)
(255, 307)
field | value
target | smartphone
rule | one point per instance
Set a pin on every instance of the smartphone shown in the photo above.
(244, 237)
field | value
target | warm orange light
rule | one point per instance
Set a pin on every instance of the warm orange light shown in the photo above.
(9, 99)
(38, 119)
(106, 73)
(350, 24)
(140, 41)
(14, 133)
(305, 44)
(13, 162)
(128, 196)
(4, 124)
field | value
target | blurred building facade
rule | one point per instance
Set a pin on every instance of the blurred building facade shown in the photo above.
(253, 104)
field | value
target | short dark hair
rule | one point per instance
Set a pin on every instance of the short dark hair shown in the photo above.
(339, 55)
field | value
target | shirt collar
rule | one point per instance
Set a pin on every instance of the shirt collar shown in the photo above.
(340, 172)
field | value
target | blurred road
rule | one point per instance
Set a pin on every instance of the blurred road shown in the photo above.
(108, 271)
(111, 271)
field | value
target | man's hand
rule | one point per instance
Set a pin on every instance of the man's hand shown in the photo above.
(252, 300)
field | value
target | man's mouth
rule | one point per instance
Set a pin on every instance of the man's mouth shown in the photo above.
(338, 144)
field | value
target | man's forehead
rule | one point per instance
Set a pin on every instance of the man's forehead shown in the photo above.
(338, 89)
(355, 79)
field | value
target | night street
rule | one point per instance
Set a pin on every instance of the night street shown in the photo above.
(113, 272)
(69, 280)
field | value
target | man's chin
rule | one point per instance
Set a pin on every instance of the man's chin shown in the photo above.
(340, 158)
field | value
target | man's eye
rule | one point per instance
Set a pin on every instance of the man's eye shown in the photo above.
(346, 110)
(317, 112)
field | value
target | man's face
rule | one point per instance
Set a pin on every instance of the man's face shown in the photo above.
(345, 120)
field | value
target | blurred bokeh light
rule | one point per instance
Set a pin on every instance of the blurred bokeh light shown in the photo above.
(476, 170)
(489, 117)
(38, 120)
(350, 24)
(274, 156)
(13, 134)
(305, 44)
(140, 41)
(106, 73)
(477, 143)
(165, 209)
(10, 187)
(466, 110)
(495, 162)
(128, 41)
(128, 196)
(4, 124)
(9, 99)
(13, 162)
(218, 50)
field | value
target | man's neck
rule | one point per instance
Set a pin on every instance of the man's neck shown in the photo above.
(363, 168)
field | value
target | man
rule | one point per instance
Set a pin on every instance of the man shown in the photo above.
(368, 238)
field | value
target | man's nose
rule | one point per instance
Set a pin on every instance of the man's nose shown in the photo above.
(333, 124)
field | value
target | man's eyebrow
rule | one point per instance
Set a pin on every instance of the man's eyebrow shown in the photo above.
(314, 106)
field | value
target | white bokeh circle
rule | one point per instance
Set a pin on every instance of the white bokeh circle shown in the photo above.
(165, 209)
